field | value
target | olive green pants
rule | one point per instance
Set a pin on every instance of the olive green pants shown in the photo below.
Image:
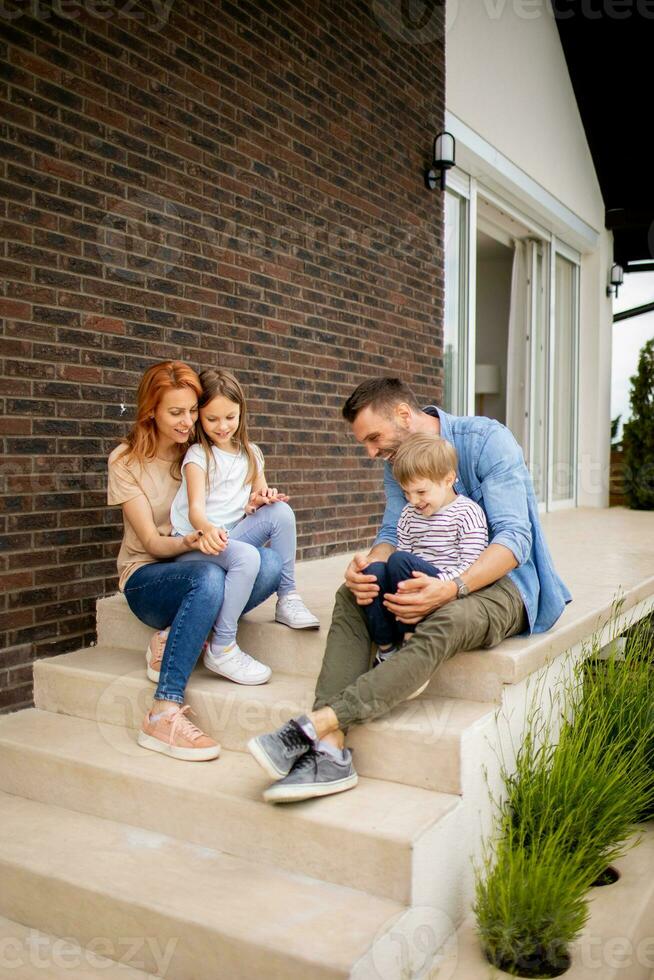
(357, 693)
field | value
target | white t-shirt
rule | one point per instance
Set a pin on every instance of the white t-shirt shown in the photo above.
(227, 494)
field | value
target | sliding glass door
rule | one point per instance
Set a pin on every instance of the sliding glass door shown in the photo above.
(550, 335)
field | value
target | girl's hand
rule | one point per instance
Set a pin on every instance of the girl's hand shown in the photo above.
(261, 498)
(214, 540)
(210, 542)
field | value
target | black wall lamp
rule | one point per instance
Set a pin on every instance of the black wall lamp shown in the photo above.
(444, 147)
(616, 278)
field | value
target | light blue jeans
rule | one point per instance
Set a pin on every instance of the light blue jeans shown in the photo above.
(241, 560)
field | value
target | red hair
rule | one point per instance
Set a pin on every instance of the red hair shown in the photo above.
(141, 440)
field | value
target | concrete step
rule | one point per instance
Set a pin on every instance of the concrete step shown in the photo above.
(193, 911)
(418, 743)
(28, 953)
(381, 837)
(479, 675)
(615, 944)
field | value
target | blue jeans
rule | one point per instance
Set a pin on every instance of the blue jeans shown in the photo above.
(384, 628)
(187, 596)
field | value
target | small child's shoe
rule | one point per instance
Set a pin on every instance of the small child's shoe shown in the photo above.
(291, 611)
(382, 655)
(236, 665)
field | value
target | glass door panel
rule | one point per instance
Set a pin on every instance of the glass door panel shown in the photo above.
(454, 332)
(564, 382)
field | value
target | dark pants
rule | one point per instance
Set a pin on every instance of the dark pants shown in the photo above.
(384, 628)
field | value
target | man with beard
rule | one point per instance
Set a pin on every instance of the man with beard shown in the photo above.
(511, 588)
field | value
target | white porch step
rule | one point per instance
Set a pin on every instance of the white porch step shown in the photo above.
(380, 838)
(29, 953)
(417, 743)
(214, 915)
(479, 675)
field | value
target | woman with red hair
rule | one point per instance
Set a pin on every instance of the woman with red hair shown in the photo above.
(144, 476)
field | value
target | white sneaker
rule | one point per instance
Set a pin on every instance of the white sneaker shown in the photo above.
(291, 611)
(237, 665)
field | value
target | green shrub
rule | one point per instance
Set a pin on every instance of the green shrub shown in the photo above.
(530, 902)
(622, 692)
(583, 775)
(598, 769)
(638, 435)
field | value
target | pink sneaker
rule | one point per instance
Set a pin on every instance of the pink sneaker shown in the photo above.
(155, 651)
(173, 734)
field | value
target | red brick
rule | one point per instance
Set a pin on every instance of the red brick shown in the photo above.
(13, 308)
(104, 324)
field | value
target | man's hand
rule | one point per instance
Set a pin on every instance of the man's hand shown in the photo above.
(419, 596)
(364, 587)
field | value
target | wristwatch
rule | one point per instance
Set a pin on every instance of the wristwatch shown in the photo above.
(462, 589)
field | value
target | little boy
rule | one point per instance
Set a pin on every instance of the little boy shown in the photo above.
(440, 533)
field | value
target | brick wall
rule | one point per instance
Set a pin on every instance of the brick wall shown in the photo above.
(227, 183)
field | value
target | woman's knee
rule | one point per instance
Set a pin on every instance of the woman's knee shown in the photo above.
(270, 563)
(206, 579)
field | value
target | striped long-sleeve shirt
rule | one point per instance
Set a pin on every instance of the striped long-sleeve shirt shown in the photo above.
(452, 539)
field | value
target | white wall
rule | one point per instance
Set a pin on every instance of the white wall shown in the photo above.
(507, 80)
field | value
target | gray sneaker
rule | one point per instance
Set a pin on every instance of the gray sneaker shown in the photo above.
(316, 773)
(277, 752)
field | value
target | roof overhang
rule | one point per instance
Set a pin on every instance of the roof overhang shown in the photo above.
(608, 49)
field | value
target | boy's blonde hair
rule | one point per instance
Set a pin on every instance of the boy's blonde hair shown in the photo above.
(424, 456)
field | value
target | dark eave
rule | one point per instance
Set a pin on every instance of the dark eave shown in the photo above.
(608, 49)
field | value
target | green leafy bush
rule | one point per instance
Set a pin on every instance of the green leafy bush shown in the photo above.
(638, 435)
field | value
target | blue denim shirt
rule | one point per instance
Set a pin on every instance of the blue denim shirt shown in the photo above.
(493, 473)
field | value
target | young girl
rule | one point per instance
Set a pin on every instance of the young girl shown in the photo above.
(224, 495)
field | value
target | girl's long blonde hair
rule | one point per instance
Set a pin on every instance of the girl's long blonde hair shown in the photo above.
(141, 440)
(214, 383)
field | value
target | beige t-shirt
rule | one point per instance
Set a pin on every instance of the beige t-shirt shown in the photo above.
(128, 480)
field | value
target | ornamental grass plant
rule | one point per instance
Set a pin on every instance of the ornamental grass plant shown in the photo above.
(530, 902)
(583, 776)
